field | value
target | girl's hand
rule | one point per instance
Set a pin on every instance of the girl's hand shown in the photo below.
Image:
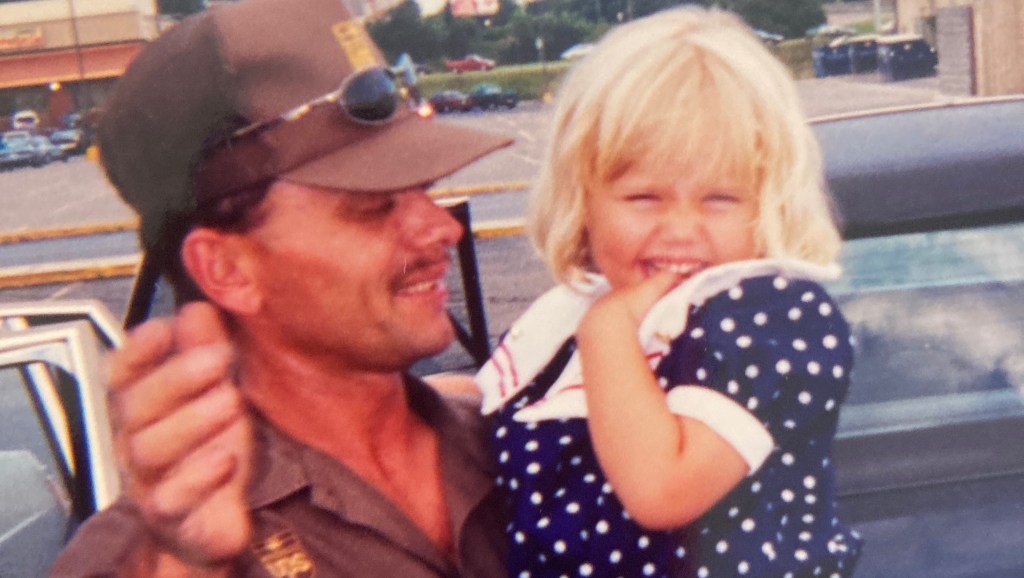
(622, 310)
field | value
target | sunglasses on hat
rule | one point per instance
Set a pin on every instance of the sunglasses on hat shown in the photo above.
(370, 96)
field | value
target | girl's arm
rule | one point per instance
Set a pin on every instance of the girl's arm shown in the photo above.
(666, 470)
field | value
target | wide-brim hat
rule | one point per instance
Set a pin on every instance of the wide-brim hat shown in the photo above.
(165, 136)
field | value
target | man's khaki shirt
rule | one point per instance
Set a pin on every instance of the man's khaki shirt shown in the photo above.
(312, 516)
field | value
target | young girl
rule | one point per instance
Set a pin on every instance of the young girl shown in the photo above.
(669, 408)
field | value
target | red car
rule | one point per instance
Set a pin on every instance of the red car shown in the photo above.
(469, 63)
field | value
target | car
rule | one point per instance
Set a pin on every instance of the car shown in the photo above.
(928, 456)
(472, 62)
(71, 141)
(25, 120)
(16, 150)
(487, 95)
(904, 56)
(449, 101)
(45, 152)
(57, 462)
(577, 51)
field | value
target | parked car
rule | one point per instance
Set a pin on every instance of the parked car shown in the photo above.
(449, 101)
(45, 152)
(71, 141)
(928, 453)
(471, 62)
(57, 462)
(25, 120)
(905, 56)
(16, 149)
(486, 96)
(577, 51)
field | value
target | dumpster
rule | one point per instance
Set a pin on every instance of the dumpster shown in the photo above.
(832, 58)
(905, 56)
(863, 53)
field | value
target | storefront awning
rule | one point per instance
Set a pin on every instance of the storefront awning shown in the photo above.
(89, 63)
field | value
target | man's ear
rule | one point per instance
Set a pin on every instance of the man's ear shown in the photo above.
(220, 264)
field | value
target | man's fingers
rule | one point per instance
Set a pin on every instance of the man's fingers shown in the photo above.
(199, 506)
(171, 385)
(199, 324)
(145, 347)
(185, 489)
(152, 450)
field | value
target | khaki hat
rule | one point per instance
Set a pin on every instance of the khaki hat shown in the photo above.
(169, 136)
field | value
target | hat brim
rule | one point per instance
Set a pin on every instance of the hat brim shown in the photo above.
(407, 153)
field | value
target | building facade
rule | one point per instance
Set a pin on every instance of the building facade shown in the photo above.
(980, 42)
(62, 56)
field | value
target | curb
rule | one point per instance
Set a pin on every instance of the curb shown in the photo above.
(127, 266)
(69, 271)
(21, 236)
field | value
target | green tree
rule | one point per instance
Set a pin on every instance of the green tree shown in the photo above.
(180, 7)
(791, 18)
(403, 29)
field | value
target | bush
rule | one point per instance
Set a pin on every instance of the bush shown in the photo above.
(795, 54)
(531, 81)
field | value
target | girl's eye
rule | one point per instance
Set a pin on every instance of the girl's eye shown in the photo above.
(644, 197)
(722, 199)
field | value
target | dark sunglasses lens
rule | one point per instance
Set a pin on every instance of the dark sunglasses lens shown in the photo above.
(370, 96)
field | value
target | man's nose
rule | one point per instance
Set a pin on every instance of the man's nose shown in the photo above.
(429, 223)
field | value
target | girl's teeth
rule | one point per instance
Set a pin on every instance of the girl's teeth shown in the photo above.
(677, 267)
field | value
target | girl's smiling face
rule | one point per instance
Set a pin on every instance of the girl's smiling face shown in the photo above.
(655, 217)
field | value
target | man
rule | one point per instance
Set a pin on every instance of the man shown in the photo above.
(273, 431)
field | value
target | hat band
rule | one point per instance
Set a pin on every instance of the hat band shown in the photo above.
(260, 156)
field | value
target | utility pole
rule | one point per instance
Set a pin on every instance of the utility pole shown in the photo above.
(83, 101)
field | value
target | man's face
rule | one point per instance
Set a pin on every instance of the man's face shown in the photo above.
(354, 278)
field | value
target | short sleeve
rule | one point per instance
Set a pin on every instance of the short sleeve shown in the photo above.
(766, 357)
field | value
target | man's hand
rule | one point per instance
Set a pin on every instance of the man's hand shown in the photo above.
(184, 438)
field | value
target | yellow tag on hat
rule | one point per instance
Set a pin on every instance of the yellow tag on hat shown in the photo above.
(356, 43)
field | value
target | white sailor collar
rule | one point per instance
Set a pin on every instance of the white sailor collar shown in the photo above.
(535, 338)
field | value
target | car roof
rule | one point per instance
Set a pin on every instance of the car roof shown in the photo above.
(950, 165)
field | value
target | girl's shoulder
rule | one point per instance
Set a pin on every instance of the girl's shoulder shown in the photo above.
(769, 309)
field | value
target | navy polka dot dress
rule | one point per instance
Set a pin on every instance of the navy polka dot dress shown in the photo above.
(778, 349)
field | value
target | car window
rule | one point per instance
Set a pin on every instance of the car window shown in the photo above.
(59, 366)
(53, 450)
(936, 314)
(35, 512)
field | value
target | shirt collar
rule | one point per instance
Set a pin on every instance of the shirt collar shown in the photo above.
(284, 466)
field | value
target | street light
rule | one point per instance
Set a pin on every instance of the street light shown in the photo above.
(539, 44)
